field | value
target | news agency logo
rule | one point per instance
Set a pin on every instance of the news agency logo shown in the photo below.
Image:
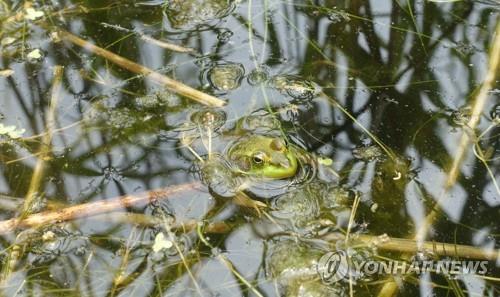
(333, 267)
(336, 266)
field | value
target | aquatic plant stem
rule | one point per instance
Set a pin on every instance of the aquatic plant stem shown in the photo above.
(335, 103)
(391, 288)
(352, 216)
(180, 252)
(466, 140)
(121, 279)
(166, 45)
(33, 196)
(169, 83)
(477, 109)
(225, 261)
(46, 143)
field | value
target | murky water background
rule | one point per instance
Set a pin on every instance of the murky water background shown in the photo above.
(407, 71)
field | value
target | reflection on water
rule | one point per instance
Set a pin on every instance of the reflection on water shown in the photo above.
(378, 93)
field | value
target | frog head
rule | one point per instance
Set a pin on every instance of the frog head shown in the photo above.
(263, 156)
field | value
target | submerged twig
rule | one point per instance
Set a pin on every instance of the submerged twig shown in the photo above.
(169, 83)
(437, 248)
(166, 45)
(92, 208)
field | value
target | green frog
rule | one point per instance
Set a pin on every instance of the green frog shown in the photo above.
(266, 157)
(253, 156)
(263, 165)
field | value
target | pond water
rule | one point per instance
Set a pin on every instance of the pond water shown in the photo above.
(366, 127)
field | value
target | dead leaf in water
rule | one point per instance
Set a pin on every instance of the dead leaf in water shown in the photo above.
(6, 72)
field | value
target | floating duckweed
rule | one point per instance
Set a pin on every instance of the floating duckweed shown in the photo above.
(368, 153)
(226, 77)
(211, 119)
(258, 76)
(295, 87)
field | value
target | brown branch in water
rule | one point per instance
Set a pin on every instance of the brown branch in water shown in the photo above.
(169, 83)
(92, 208)
(166, 45)
(437, 248)
(410, 246)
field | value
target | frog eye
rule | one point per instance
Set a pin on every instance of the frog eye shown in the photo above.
(259, 158)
